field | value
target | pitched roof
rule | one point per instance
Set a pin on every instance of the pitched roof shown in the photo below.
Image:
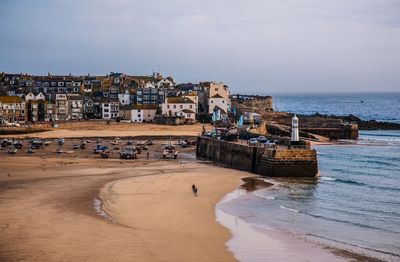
(216, 96)
(74, 97)
(144, 107)
(179, 100)
(11, 99)
(222, 111)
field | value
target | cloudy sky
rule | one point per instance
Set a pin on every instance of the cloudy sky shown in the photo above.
(263, 46)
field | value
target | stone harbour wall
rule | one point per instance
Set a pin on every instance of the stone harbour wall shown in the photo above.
(259, 160)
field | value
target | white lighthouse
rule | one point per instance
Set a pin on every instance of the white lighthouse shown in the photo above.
(295, 130)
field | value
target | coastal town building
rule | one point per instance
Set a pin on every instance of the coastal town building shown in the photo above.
(12, 109)
(143, 113)
(110, 109)
(125, 112)
(92, 109)
(125, 98)
(61, 102)
(217, 102)
(179, 107)
(75, 106)
(35, 107)
(150, 95)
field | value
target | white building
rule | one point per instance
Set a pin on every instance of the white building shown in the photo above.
(179, 106)
(125, 98)
(218, 102)
(165, 83)
(143, 113)
(192, 95)
(61, 107)
(109, 110)
(12, 109)
(75, 106)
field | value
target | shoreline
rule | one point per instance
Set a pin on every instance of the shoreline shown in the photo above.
(247, 248)
(173, 223)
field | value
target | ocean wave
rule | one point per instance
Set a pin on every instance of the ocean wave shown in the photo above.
(352, 182)
(327, 178)
(362, 250)
(262, 196)
(290, 209)
(346, 222)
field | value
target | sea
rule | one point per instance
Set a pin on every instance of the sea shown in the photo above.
(367, 106)
(355, 203)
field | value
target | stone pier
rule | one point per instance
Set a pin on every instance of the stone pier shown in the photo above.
(282, 162)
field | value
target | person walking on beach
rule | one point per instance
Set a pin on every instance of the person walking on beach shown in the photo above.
(147, 154)
(194, 190)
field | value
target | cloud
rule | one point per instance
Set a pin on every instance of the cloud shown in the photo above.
(254, 46)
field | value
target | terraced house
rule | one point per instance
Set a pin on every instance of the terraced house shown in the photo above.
(12, 109)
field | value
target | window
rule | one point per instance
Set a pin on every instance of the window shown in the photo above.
(191, 106)
(139, 111)
(212, 101)
(181, 106)
(138, 115)
(168, 106)
(223, 101)
(174, 106)
(188, 115)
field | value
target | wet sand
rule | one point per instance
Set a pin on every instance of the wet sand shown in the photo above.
(101, 129)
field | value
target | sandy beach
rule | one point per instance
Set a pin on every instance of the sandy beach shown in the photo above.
(48, 212)
(79, 207)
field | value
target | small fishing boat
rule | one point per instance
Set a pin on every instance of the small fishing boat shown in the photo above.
(12, 151)
(105, 154)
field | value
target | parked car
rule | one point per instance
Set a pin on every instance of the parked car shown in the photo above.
(253, 142)
(262, 139)
(269, 143)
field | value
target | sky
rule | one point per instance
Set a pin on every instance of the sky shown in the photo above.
(254, 46)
